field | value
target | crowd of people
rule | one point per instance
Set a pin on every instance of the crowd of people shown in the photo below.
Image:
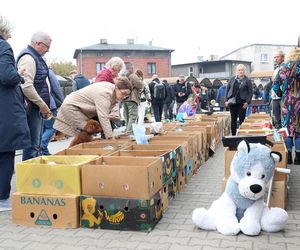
(33, 106)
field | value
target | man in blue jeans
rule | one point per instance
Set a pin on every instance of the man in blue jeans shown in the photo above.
(56, 100)
(35, 89)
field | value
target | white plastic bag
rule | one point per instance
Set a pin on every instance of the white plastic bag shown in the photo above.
(139, 134)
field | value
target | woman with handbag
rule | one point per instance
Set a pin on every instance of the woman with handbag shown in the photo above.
(238, 96)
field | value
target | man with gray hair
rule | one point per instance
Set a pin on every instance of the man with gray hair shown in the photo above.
(36, 89)
(276, 100)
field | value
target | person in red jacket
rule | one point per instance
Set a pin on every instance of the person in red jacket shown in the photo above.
(111, 70)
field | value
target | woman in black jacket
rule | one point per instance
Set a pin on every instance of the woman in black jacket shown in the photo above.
(238, 96)
(14, 131)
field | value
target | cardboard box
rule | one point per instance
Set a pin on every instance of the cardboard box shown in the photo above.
(164, 193)
(181, 153)
(185, 138)
(45, 210)
(84, 151)
(189, 171)
(196, 139)
(172, 188)
(166, 157)
(112, 145)
(120, 213)
(52, 175)
(279, 194)
(181, 180)
(124, 177)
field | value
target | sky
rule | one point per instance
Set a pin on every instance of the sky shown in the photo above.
(192, 28)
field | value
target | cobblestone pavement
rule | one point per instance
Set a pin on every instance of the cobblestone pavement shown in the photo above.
(174, 231)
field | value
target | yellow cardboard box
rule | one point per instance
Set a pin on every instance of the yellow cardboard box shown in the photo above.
(51, 175)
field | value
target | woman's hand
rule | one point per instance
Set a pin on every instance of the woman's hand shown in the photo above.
(245, 106)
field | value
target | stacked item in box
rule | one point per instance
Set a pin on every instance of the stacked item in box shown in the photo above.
(48, 190)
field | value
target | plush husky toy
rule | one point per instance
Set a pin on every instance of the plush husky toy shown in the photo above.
(241, 207)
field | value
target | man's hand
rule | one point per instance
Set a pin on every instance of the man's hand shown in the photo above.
(45, 110)
(245, 106)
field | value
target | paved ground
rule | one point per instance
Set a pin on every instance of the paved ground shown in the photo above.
(174, 231)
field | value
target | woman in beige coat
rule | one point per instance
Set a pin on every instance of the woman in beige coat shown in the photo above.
(94, 100)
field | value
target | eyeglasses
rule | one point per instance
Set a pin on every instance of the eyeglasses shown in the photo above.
(125, 95)
(47, 46)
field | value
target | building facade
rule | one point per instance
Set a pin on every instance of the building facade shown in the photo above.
(148, 58)
(261, 55)
(221, 69)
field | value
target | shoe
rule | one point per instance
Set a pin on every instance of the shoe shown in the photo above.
(290, 158)
(5, 205)
(297, 158)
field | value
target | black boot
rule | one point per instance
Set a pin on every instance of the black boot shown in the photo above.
(290, 158)
(297, 158)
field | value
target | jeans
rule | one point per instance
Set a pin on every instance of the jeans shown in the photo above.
(48, 133)
(7, 164)
(289, 143)
(168, 111)
(35, 123)
(157, 108)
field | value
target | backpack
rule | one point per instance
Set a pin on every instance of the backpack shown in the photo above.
(159, 91)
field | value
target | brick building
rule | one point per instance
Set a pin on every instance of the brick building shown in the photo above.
(150, 59)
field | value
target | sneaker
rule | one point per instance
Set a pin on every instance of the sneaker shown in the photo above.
(5, 205)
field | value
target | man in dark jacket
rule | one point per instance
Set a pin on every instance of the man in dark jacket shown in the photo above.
(36, 89)
(169, 101)
(157, 97)
(182, 91)
(14, 131)
(79, 81)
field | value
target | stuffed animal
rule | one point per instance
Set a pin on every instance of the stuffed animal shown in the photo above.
(241, 207)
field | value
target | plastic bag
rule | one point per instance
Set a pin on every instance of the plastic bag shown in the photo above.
(139, 134)
(156, 128)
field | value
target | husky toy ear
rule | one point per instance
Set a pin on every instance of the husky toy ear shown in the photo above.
(276, 156)
(243, 146)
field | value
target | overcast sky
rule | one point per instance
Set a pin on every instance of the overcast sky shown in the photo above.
(192, 27)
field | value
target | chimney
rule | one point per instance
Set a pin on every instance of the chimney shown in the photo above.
(130, 41)
(200, 59)
(103, 41)
(213, 58)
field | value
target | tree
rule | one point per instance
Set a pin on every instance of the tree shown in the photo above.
(62, 68)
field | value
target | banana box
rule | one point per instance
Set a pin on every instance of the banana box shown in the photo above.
(84, 151)
(52, 175)
(180, 150)
(122, 176)
(175, 148)
(120, 213)
(166, 157)
(107, 145)
(45, 210)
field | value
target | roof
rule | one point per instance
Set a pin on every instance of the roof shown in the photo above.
(261, 74)
(212, 62)
(123, 47)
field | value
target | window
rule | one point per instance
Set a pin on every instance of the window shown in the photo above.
(99, 66)
(264, 58)
(151, 68)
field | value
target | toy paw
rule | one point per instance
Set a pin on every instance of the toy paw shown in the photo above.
(274, 219)
(227, 227)
(203, 219)
(250, 227)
